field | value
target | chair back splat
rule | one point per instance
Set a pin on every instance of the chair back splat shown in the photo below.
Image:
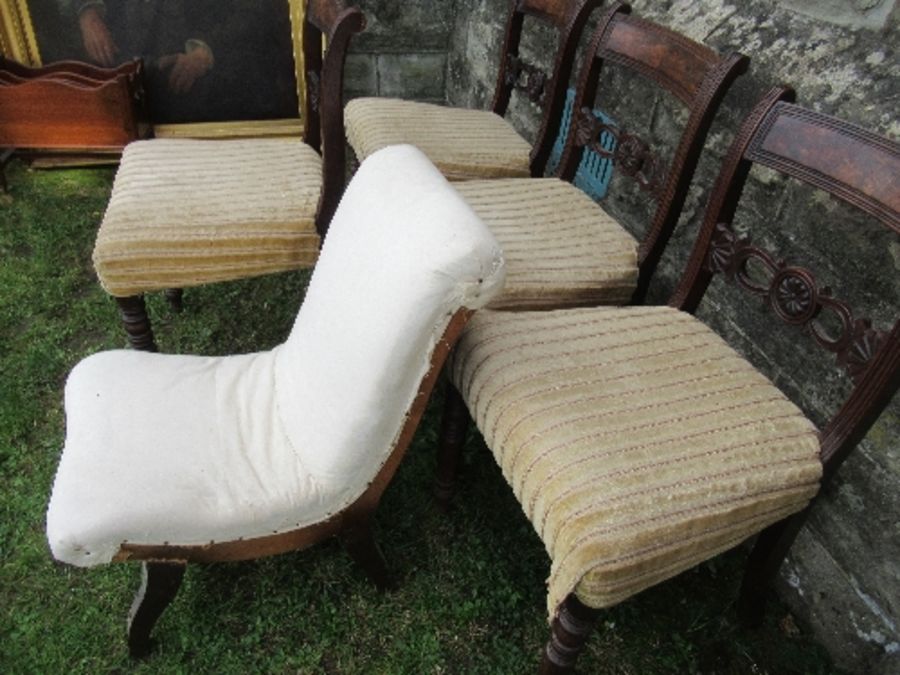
(857, 167)
(694, 74)
(569, 19)
(327, 30)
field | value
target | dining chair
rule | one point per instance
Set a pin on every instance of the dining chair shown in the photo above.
(637, 441)
(188, 212)
(204, 459)
(563, 249)
(465, 143)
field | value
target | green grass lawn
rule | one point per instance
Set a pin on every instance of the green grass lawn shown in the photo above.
(471, 596)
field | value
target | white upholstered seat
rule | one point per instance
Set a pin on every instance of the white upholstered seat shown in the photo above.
(192, 451)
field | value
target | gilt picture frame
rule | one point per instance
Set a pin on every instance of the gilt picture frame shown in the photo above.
(251, 75)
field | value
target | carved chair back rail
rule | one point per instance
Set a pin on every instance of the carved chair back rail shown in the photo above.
(851, 164)
(694, 74)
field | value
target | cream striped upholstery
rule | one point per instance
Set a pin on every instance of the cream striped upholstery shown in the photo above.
(561, 248)
(462, 143)
(187, 212)
(636, 440)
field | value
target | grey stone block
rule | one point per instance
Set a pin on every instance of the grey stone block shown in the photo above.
(360, 75)
(412, 76)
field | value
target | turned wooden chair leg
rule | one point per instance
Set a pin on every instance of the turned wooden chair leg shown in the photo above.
(137, 324)
(763, 564)
(569, 633)
(359, 541)
(5, 157)
(174, 296)
(159, 585)
(454, 424)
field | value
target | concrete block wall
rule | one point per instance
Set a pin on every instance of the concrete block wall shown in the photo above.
(843, 576)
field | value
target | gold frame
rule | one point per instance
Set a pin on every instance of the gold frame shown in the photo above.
(19, 42)
(17, 38)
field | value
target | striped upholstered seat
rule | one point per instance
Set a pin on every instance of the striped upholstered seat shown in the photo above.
(189, 212)
(561, 248)
(462, 143)
(637, 442)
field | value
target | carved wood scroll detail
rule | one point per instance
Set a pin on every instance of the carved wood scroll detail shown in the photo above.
(796, 298)
(526, 77)
(632, 155)
(314, 85)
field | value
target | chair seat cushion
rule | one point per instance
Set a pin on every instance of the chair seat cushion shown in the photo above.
(187, 212)
(462, 143)
(561, 248)
(636, 440)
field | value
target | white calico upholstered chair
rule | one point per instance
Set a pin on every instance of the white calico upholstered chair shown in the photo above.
(187, 212)
(465, 143)
(194, 458)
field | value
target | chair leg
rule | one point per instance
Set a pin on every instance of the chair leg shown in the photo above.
(569, 633)
(137, 324)
(763, 564)
(5, 157)
(174, 296)
(454, 424)
(159, 585)
(359, 541)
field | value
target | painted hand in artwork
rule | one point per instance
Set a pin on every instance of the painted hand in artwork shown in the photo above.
(186, 68)
(98, 42)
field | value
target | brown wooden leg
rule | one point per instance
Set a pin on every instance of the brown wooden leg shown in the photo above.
(454, 424)
(5, 157)
(569, 633)
(359, 541)
(174, 296)
(137, 324)
(159, 584)
(765, 559)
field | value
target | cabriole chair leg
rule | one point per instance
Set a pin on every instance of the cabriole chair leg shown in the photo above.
(454, 424)
(569, 633)
(159, 585)
(359, 542)
(133, 311)
(174, 296)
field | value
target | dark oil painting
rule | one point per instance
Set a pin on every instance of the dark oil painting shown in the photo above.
(204, 60)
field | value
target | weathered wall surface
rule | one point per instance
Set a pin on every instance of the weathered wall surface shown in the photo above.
(843, 577)
(403, 51)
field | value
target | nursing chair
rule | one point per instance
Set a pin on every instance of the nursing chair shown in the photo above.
(562, 248)
(188, 212)
(465, 143)
(201, 459)
(638, 442)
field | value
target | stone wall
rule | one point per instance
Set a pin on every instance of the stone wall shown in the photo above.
(403, 51)
(843, 578)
